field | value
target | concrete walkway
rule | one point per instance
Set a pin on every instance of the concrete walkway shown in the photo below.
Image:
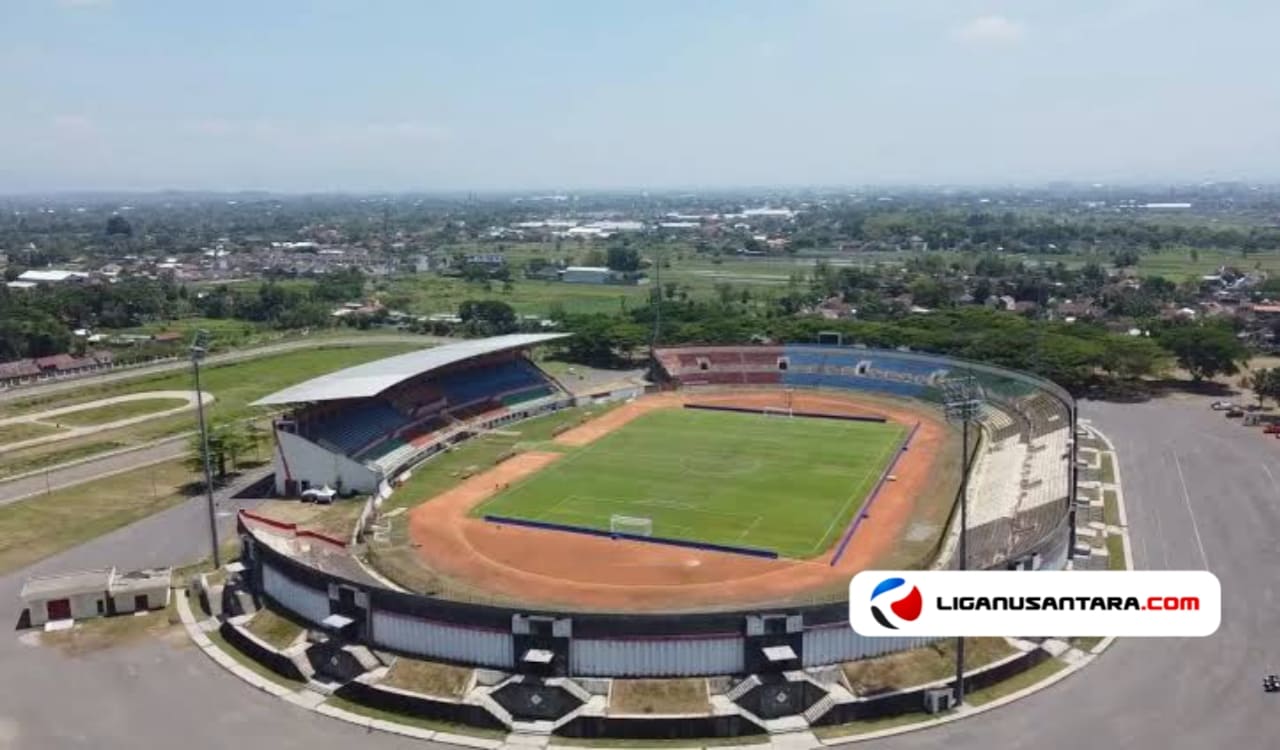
(49, 418)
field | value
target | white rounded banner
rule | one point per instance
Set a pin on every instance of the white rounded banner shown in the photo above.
(1129, 603)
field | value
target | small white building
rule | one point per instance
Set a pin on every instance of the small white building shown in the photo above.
(586, 275)
(95, 593)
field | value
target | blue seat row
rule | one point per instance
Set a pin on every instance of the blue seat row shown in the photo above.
(358, 426)
(471, 385)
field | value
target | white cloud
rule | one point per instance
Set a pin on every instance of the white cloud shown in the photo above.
(990, 31)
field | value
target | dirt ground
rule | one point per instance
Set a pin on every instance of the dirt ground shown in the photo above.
(562, 569)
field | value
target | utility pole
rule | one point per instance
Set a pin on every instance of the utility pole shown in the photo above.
(962, 399)
(198, 349)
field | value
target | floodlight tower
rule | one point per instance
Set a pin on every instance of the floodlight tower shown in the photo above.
(962, 401)
(200, 347)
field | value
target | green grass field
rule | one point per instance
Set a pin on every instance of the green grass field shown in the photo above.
(786, 484)
(117, 412)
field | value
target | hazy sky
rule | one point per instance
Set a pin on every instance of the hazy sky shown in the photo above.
(375, 94)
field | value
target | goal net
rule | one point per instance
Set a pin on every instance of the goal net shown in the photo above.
(633, 525)
(775, 411)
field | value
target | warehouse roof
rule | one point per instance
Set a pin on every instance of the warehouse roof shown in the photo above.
(372, 378)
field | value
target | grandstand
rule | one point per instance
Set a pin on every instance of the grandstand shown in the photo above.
(1020, 481)
(355, 428)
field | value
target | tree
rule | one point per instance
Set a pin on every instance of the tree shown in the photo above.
(1204, 350)
(625, 259)
(229, 442)
(487, 317)
(118, 225)
(1265, 384)
(1132, 357)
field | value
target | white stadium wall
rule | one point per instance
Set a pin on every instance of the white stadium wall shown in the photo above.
(301, 460)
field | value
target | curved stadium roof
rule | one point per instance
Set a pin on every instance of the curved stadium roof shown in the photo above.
(372, 378)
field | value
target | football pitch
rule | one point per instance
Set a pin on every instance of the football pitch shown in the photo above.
(788, 484)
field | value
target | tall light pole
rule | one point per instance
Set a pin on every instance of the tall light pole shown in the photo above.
(199, 347)
(962, 399)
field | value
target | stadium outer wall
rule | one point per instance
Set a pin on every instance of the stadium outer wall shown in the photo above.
(655, 645)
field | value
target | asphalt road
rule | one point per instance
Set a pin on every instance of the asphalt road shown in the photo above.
(1201, 492)
(56, 478)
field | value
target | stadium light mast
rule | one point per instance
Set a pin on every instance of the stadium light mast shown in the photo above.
(962, 399)
(200, 347)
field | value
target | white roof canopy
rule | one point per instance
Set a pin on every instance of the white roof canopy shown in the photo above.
(372, 378)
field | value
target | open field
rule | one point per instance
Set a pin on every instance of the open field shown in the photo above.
(20, 431)
(35, 528)
(234, 384)
(785, 484)
(116, 412)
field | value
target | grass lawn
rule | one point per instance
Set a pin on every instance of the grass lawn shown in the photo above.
(1108, 472)
(413, 721)
(19, 431)
(659, 697)
(52, 454)
(117, 412)
(871, 725)
(1088, 643)
(1110, 508)
(1026, 679)
(428, 678)
(275, 629)
(789, 485)
(1115, 552)
(922, 665)
(40, 526)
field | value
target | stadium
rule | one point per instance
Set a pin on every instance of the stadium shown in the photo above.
(704, 524)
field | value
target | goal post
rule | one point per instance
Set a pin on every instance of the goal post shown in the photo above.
(777, 411)
(633, 525)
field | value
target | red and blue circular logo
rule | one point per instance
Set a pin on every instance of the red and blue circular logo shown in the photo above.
(906, 608)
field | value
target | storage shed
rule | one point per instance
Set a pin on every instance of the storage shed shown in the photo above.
(95, 593)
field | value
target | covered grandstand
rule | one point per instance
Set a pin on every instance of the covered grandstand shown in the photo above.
(350, 430)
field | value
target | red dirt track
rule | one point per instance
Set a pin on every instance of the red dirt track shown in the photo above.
(554, 568)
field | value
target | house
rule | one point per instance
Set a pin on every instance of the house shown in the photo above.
(586, 275)
(95, 593)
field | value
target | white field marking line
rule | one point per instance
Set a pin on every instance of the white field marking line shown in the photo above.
(1186, 497)
(750, 528)
(822, 543)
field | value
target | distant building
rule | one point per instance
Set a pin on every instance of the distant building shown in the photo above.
(586, 275)
(52, 276)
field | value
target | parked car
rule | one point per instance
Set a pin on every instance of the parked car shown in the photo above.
(1220, 405)
(1235, 412)
(1271, 683)
(1272, 429)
